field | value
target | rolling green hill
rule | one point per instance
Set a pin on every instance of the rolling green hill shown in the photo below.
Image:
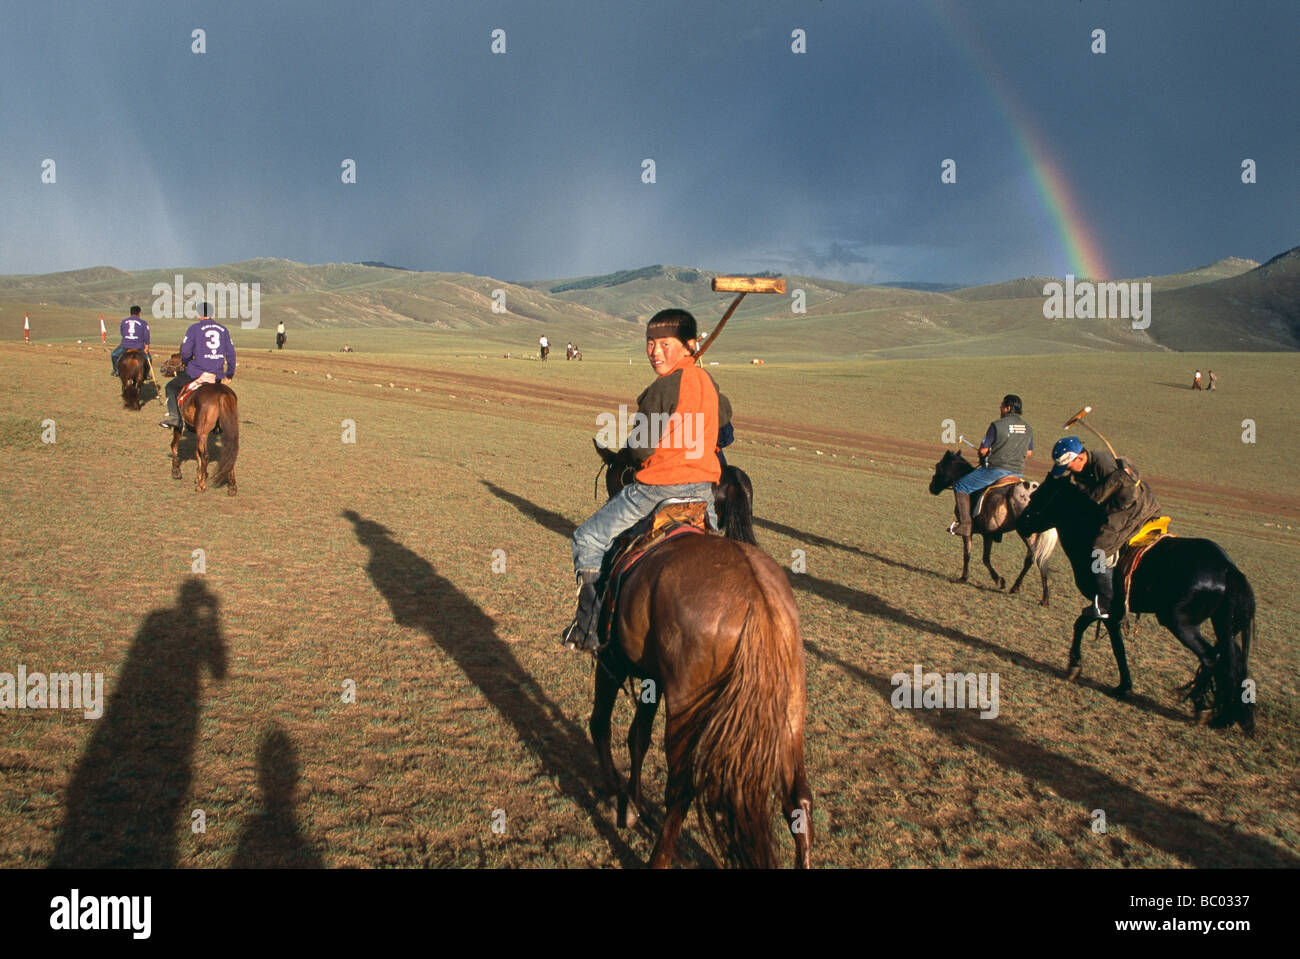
(1232, 304)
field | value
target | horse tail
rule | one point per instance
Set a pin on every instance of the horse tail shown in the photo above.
(130, 394)
(1045, 547)
(228, 420)
(733, 497)
(738, 731)
(1234, 656)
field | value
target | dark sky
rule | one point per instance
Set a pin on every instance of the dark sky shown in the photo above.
(528, 164)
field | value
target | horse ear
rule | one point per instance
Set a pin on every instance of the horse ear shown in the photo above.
(607, 455)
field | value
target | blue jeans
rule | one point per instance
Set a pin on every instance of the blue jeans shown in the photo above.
(631, 503)
(976, 480)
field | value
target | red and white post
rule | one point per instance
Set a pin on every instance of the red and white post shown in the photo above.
(27, 330)
(103, 333)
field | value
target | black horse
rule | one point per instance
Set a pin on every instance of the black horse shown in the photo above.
(997, 514)
(1182, 580)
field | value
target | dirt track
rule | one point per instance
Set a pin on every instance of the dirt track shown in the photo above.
(435, 388)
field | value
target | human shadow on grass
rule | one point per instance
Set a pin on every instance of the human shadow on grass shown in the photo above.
(545, 518)
(1179, 832)
(862, 601)
(419, 597)
(126, 797)
(272, 839)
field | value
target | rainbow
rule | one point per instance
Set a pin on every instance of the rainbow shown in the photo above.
(1079, 244)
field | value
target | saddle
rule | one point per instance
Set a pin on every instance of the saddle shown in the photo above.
(1132, 552)
(189, 389)
(978, 503)
(671, 518)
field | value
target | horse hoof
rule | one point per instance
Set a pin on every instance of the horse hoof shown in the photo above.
(1044, 604)
(231, 490)
(1002, 583)
(1119, 692)
(1204, 717)
(627, 817)
(176, 475)
(1074, 673)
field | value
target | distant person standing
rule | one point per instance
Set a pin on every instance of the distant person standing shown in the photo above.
(279, 336)
(207, 352)
(1214, 379)
(568, 351)
(135, 336)
(546, 347)
(1196, 381)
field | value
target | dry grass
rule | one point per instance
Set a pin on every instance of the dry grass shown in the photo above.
(373, 563)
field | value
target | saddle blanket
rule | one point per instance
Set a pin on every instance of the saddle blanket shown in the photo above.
(1152, 532)
(671, 518)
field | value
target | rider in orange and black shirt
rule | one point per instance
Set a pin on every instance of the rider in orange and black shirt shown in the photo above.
(674, 437)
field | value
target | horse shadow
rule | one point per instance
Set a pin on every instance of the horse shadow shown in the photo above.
(272, 839)
(555, 522)
(126, 797)
(420, 597)
(862, 601)
(817, 540)
(1180, 833)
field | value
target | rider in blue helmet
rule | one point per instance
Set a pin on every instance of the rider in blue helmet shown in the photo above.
(1116, 486)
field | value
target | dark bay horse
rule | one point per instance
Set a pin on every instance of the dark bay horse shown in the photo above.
(997, 515)
(711, 622)
(211, 405)
(1182, 580)
(130, 370)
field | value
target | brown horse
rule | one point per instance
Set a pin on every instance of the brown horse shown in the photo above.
(211, 405)
(130, 370)
(709, 623)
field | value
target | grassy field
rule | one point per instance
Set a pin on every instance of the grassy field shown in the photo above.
(370, 566)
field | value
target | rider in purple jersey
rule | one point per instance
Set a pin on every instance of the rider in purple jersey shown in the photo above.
(135, 336)
(206, 349)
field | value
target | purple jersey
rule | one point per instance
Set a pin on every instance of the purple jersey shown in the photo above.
(207, 349)
(135, 333)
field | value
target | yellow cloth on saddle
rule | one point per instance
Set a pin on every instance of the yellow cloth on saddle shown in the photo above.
(1151, 531)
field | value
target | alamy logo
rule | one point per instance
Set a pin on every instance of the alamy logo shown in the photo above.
(134, 913)
(654, 431)
(26, 690)
(1086, 300)
(924, 690)
(229, 301)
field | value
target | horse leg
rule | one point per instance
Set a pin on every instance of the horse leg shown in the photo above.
(1115, 626)
(797, 803)
(1029, 561)
(638, 741)
(965, 559)
(1086, 618)
(176, 456)
(201, 483)
(988, 552)
(1203, 683)
(609, 678)
(677, 799)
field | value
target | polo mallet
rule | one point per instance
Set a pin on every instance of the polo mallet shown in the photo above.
(1078, 418)
(154, 376)
(740, 285)
(963, 439)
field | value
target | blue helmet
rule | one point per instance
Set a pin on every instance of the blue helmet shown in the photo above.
(1066, 449)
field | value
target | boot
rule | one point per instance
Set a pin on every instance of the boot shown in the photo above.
(581, 633)
(1105, 593)
(172, 420)
(963, 525)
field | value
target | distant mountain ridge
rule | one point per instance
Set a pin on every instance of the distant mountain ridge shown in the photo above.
(1232, 304)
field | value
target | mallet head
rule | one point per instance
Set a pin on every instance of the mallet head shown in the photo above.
(747, 284)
